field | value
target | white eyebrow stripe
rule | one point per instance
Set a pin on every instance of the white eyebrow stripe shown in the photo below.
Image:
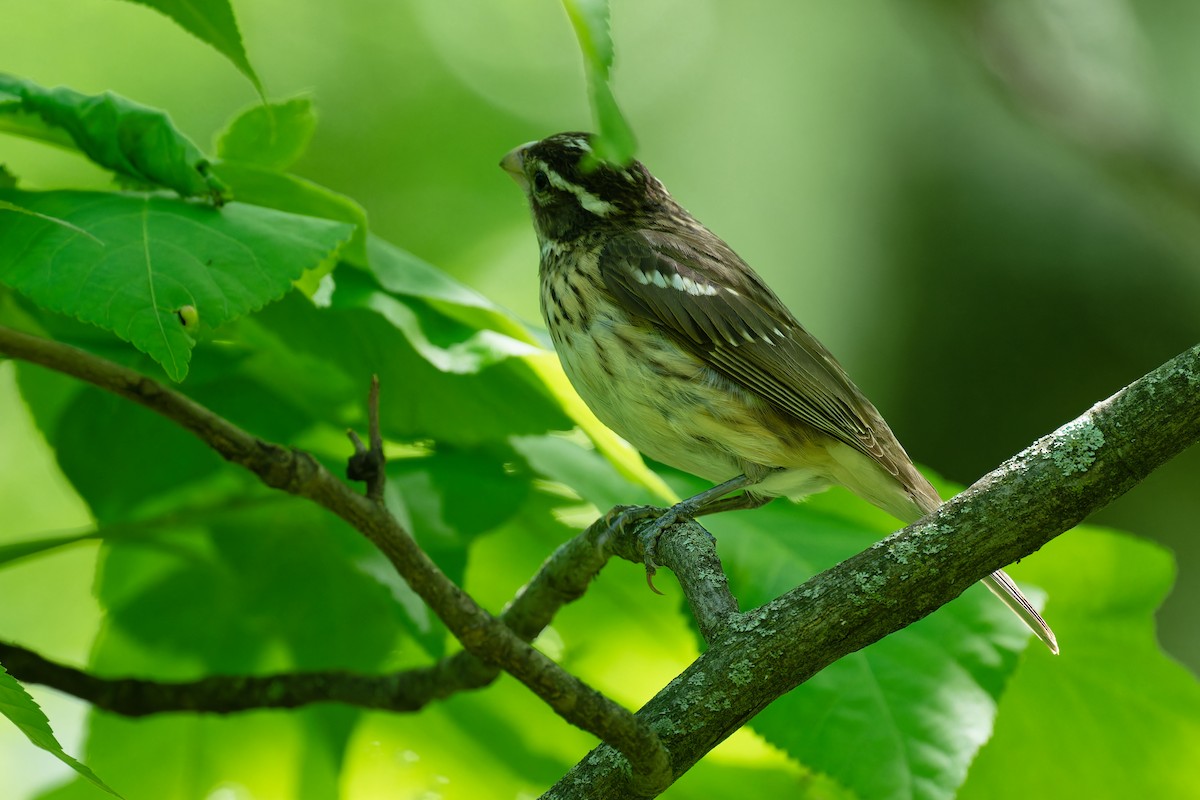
(589, 201)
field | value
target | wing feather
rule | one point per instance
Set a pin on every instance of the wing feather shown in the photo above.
(736, 325)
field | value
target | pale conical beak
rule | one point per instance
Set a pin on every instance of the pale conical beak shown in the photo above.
(514, 165)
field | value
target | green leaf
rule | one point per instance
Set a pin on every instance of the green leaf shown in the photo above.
(233, 593)
(212, 22)
(450, 497)
(582, 470)
(1113, 700)
(447, 499)
(447, 344)
(189, 756)
(297, 195)
(20, 708)
(7, 206)
(269, 136)
(449, 382)
(158, 255)
(400, 272)
(590, 19)
(921, 701)
(14, 551)
(135, 141)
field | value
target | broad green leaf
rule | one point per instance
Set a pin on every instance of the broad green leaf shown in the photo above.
(190, 756)
(400, 272)
(582, 470)
(135, 141)
(447, 500)
(590, 19)
(154, 471)
(212, 22)
(22, 711)
(452, 496)
(7, 206)
(15, 551)
(1113, 700)
(296, 195)
(446, 344)
(449, 382)
(921, 702)
(157, 256)
(233, 593)
(255, 590)
(269, 136)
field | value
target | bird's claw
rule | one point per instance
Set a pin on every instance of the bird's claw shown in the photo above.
(623, 516)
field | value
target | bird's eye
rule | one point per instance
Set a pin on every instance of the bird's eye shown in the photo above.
(541, 181)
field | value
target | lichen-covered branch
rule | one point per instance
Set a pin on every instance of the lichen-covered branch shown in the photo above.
(1031, 498)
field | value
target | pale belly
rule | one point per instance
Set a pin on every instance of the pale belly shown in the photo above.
(674, 409)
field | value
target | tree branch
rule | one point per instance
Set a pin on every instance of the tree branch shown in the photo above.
(1007, 515)
(563, 578)
(298, 473)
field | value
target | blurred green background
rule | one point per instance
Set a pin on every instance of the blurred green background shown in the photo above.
(988, 211)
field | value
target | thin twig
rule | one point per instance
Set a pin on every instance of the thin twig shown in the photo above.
(563, 577)
(368, 464)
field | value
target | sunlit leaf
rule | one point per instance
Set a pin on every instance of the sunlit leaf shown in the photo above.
(22, 711)
(270, 136)
(148, 257)
(1113, 700)
(15, 551)
(449, 381)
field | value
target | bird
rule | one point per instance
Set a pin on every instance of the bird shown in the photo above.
(679, 347)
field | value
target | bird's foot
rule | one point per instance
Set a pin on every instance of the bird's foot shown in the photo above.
(683, 511)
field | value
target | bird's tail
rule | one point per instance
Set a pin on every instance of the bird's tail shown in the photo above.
(1003, 587)
(910, 496)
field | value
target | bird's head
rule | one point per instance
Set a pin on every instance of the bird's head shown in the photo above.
(571, 193)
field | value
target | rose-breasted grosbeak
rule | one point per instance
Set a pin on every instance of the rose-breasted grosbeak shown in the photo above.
(678, 346)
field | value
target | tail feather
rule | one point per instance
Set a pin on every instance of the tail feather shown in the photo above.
(1003, 587)
(909, 496)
